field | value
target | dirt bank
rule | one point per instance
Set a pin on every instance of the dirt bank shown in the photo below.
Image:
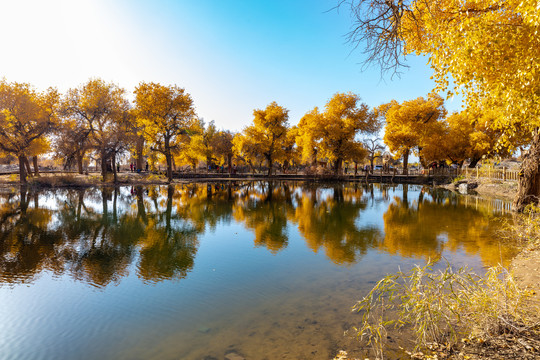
(486, 188)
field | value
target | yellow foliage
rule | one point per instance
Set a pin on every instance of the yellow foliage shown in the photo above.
(165, 113)
(331, 135)
(411, 124)
(25, 117)
(488, 49)
(266, 137)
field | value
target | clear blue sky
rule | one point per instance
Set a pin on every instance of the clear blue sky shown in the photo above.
(232, 56)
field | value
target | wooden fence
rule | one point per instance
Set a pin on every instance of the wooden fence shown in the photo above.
(492, 173)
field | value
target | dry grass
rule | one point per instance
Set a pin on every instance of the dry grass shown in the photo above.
(446, 310)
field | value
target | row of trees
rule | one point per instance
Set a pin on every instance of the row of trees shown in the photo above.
(424, 127)
(97, 118)
(162, 124)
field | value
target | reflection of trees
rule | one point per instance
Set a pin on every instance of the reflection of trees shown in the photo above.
(96, 243)
(25, 245)
(168, 246)
(96, 235)
(206, 204)
(426, 227)
(263, 208)
(331, 223)
(101, 245)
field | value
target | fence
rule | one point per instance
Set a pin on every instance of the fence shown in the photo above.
(492, 173)
(502, 174)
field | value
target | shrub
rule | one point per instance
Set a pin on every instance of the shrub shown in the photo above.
(443, 307)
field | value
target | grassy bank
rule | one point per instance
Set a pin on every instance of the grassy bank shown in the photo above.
(62, 180)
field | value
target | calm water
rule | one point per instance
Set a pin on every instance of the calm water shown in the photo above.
(268, 271)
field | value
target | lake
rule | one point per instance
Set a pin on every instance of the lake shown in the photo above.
(261, 270)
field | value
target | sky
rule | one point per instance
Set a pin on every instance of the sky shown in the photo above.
(232, 56)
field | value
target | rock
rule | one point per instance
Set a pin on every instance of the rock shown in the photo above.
(204, 330)
(462, 188)
(234, 356)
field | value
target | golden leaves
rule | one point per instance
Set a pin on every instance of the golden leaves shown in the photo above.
(409, 124)
(25, 115)
(489, 49)
(331, 134)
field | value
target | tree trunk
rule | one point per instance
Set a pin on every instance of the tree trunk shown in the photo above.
(406, 162)
(169, 167)
(473, 163)
(371, 161)
(27, 165)
(529, 177)
(79, 158)
(103, 165)
(113, 163)
(168, 158)
(22, 170)
(36, 169)
(269, 159)
(314, 158)
(139, 147)
(421, 159)
(229, 162)
(208, 161)
(337, 166)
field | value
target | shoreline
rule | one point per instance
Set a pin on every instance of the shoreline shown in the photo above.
(47, 180)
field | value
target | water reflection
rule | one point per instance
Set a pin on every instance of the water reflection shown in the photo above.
(100, 235)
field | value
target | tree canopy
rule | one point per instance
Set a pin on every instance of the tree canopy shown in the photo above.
(267, 135)
(164, 113)
(332, 134)
(411, 124)
(25, 116)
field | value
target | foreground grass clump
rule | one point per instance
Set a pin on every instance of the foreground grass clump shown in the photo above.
(445, 310)
(526, 227)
